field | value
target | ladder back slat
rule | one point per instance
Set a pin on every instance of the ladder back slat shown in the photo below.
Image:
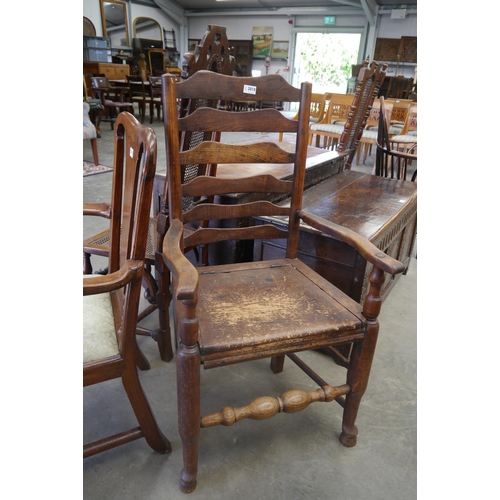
(214, 211)
(213, 152)
(208, 185)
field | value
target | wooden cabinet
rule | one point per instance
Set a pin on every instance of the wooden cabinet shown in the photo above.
(109, 70)
(382, 210)
(243, 52)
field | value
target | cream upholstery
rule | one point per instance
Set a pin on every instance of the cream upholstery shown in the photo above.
(99, 336)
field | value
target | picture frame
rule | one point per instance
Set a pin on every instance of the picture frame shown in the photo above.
(280, 48)
(192, 45)
(262, 37)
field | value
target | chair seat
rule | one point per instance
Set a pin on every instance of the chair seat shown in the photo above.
(98, 244)
(295, 307)
(332, 128)
(99, 337)
(404, 138)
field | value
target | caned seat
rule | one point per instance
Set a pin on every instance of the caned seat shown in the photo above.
(245, 311)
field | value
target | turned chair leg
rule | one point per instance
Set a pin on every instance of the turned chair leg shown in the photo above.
(188, 375)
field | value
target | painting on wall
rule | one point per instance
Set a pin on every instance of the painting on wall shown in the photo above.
(262, 37)
(280, 49)
(192, 45)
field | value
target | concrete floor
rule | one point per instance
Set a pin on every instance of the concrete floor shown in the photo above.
(286, 457)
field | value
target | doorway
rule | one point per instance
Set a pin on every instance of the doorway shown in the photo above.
(325, 60)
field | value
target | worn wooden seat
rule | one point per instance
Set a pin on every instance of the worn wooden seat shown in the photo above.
(247, 311)
(211, 53)
(110, 302)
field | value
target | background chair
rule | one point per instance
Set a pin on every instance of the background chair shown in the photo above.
(369, 135)
(408, 133)
(331, 126)
(111, 302)
(370, 78)
(112, 99)
(211, 53)
(390, 161)
(266, 308)
(89, 132)
(318, 110)
(141, 93)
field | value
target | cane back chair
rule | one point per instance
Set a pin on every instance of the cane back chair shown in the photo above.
(212, 53)
(247, 311)
(111, 302)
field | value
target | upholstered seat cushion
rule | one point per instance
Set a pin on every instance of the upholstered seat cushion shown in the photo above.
(406, 137)
(331, 128)
(99, 336)
(89, 130)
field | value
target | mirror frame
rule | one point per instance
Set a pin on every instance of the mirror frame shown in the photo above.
(140, 18)
(103, 19)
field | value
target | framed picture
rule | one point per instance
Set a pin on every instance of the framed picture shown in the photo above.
(262, 37)
(192, 45)
(280, 49)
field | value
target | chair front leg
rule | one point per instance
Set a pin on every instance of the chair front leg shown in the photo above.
(188, 396)
(361, 359)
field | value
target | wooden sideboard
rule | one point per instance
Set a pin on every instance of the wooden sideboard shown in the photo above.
(109, 70)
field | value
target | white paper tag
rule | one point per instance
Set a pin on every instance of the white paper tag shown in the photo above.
(131, 152)
(249, 89)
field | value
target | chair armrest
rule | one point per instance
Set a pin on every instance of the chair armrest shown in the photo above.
(173, 256)
(367, 249)
(99, 209)
(109, 282)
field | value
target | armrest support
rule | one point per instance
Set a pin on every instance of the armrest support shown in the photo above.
(181, 268)
(132, 269)
(367, 249)
(99, 209)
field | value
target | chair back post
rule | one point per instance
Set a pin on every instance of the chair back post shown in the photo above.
(370, 79)
(299, 170)
(133, 171)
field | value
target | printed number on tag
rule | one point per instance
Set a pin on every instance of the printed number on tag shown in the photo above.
(249, 89)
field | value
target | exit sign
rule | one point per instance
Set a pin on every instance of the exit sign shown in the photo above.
(329, 20)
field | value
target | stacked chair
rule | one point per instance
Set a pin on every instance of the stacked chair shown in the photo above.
(249, 311)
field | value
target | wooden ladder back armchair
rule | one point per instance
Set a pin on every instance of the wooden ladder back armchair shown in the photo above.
(211, 53)
(240, 312)
(370, 78)
(391, 161)
(111, 302)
